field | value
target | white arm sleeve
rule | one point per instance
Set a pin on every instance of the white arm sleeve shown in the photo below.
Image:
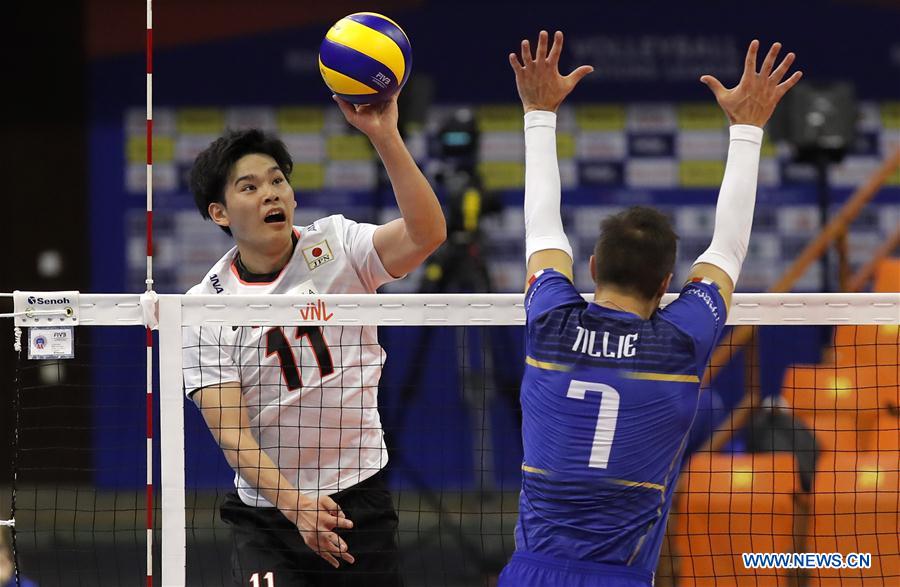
(543, 224)
(737, 198)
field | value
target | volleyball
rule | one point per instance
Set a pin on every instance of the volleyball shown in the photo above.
(365, 58)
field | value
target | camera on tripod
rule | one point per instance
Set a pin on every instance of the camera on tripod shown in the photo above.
(458, 265)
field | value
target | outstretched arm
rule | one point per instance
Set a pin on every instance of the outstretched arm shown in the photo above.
(749, 105)
(542, 89)
(402, 244)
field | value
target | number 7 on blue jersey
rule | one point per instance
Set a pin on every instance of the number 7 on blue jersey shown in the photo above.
(606, 419)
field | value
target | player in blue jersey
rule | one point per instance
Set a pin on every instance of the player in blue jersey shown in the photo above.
(611, 387)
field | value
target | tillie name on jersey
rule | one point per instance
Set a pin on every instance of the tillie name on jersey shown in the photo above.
(623, 348)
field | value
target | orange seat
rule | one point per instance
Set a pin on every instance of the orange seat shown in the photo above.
(887, 275)
(855, 509)
(887, 431)
(874, 353)
(840, 404)
(731, 504)
(822, 388)
(869, 345)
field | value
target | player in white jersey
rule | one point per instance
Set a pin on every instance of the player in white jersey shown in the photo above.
(295, 410)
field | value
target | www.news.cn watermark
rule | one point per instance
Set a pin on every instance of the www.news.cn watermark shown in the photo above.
(806, 560)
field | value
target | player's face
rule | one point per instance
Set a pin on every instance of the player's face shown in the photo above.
(259, 202)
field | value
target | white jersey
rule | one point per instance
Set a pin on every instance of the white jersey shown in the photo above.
(311, 392)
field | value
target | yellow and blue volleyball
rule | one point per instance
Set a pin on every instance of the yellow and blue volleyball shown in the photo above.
(365, 58)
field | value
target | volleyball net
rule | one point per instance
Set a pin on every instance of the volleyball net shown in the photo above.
(794, 449)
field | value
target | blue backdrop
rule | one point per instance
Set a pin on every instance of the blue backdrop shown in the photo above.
(645, 52)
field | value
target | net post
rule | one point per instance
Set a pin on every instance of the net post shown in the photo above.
(171, 443)
(149, 282)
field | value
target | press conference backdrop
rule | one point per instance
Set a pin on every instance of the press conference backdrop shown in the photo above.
(640, 130)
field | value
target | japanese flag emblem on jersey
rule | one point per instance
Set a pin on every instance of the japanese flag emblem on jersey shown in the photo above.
(318, 254)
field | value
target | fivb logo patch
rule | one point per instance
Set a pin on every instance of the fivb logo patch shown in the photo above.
(381, 80)
(39, 301)
(318, 254)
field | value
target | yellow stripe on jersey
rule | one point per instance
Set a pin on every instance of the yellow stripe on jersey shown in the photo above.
(646, 484)
(379, 46)
(529, 469)
(344, 84)
(546, 365)
(648, 376)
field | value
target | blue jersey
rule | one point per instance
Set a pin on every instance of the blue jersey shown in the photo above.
(608, 399)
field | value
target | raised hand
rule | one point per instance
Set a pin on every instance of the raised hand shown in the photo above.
(540, 85)
(374, 120)
(317, 522)
(753, 100)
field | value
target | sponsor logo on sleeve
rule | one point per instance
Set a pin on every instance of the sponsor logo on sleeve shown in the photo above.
(318, 254)
(216, 283)
(710, 303)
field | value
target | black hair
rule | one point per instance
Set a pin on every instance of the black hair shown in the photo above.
(211, 167)
(635, 251)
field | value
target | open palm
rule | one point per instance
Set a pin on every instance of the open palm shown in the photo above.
(753, 100)
(540, 85)
(372, 119)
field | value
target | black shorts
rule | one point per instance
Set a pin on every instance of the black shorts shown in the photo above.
(264, 542)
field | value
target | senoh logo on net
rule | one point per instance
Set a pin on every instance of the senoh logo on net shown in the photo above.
(37, 301)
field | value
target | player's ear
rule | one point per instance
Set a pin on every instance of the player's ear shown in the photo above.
(664, 286)
(218, 213)
(593, 269)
